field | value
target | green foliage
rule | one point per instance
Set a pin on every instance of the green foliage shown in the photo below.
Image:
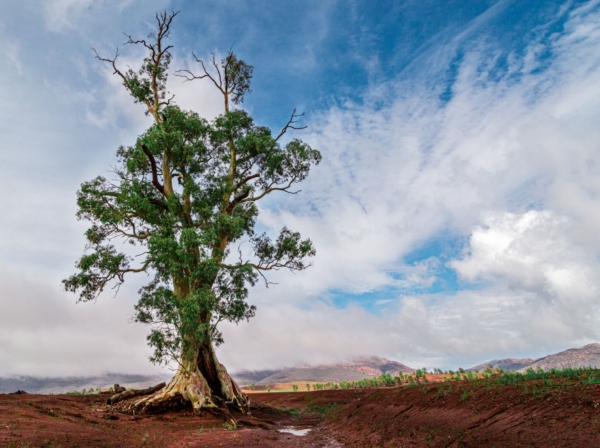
(295, 387)
(181, 196)
(323, 410)
(585, 375)
(292, 411)
(229, 427)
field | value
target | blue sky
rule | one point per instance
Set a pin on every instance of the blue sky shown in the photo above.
(455, 213)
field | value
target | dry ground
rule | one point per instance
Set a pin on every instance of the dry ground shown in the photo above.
(463, 414)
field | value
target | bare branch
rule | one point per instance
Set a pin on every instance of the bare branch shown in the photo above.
(270, 189)
(214, 63)
(113, 62)
(189, 75)
(141, 269)
(290, 124)
(267, 283)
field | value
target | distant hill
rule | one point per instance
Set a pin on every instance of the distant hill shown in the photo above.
(588, 355)
(358, 369)
(506, 364)
(69, 384)
(368, 367)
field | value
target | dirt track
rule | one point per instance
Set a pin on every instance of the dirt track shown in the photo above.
(438, 415)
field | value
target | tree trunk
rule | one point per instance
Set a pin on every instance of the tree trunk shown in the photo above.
(204, 383)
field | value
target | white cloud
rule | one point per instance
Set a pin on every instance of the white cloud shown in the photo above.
(43, 332)
(395, 176)
(531, 251)
(11, 48)
(63, 15)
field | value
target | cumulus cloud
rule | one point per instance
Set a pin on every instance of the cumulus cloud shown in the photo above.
(531, 251)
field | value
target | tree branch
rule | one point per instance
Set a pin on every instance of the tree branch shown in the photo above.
(246, 179)
(189, 76)
(270, 189)
(155, 181)
(290, 124)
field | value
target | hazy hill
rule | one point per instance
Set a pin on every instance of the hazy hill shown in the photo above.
(588, 355)
(506, 364)
(358, 369)
(70, 384)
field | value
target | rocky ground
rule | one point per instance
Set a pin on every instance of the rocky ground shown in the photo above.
(453, 414)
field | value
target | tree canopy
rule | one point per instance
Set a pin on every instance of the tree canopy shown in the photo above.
(183, 195)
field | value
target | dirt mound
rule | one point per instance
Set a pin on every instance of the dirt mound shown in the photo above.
(463, 415)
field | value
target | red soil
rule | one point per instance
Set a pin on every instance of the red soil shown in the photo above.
(431, 415)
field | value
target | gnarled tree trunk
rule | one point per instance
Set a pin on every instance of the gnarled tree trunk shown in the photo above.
(204, 383)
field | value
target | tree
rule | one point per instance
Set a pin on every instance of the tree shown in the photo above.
(183, 195)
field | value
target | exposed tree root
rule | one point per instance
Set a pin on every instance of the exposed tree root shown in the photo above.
(124, 394)
(185, 386)
(205, 385)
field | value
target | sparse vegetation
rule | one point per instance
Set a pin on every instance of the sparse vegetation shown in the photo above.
(228, 426)
(496, 376)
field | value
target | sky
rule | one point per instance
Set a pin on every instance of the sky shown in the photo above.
(455, 213)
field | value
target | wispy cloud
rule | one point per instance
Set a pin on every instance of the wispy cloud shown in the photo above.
(502, 144)
(483, 138)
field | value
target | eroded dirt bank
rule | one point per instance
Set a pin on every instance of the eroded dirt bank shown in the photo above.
(437, 415)
(463, 415)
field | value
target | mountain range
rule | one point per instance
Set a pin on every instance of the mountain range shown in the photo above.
(39, 385)
(366, 367)
(586, 356)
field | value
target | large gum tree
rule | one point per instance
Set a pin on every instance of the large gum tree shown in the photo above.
(183, 196)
